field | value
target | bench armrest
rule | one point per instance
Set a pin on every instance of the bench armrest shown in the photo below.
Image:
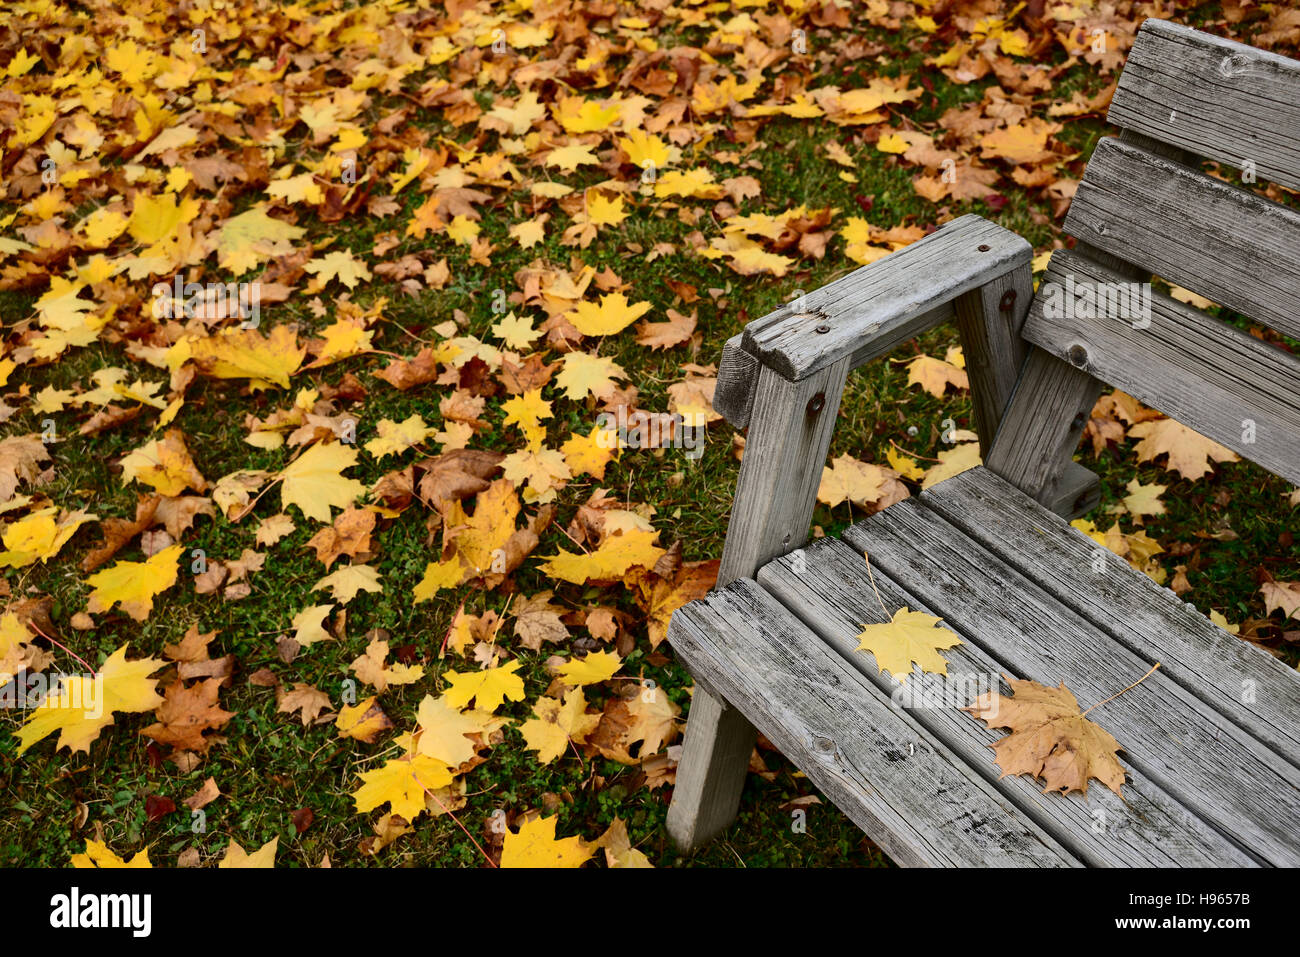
(872, 310)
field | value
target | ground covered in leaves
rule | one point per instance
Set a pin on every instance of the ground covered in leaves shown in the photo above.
(324, 324)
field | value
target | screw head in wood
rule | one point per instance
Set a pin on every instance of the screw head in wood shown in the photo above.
(984, 247)
(1007, 301)
(823, 327)
(817, 403)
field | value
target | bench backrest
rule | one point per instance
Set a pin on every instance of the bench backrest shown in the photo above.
(1144, 207)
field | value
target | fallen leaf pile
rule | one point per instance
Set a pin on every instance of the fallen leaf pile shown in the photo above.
(357, 375)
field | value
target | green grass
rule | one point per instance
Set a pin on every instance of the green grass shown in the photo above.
(269, 766)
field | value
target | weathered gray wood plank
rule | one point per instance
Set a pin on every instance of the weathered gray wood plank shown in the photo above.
(1229, 778)
(989, 320)
(1040, 430)
(1213, 97)
(1227, 244)
(715, 755)
(770, 514)
(789, 435)
(828, 588)
(872, 310)
(733, 397)
(1245, 685)
(889, 775)
(1224, 383)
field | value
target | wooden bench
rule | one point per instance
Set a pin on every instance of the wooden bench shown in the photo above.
(1211, 740)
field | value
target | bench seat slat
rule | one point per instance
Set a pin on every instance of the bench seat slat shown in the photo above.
(1212, 766)
(828, 587)
(1189, 365)
(922, 805)
(1213, 665)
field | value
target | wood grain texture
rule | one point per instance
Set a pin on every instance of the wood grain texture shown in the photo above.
(1229, 245)
(875, 308)
(1040, 430)
(1213, 97)
(1220, 771)
(733, 397)
(771, 513)
(922, 805)
(1244, 684)
(789, 434)
(711, 771)
(1206, 374)
(829, 589)
(989, 320)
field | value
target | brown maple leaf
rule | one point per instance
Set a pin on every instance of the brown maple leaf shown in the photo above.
(186, 713)
(1050, 738)
(456, 475)
(349, 535)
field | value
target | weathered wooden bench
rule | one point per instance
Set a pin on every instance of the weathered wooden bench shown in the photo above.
(1212, 738)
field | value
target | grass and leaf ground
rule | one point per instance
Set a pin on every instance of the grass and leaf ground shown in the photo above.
(427, 194)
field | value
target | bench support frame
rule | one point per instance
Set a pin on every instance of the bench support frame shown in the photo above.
(970, 271)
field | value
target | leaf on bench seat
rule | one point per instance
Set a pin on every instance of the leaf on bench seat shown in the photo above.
(1050, 738)
(911, 636)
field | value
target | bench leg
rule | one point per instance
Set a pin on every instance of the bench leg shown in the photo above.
(711, 773)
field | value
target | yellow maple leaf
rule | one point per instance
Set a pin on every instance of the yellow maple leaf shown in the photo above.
(590, 453)
(402, 783)
(569, 158)
(584, 374)
(611, 560)
(952, 462)
(236, 856)
(537, 846)
(481, 538)
(596, 667)
(84, 704)
(157, 218)
(254, 237)
(893, 143)
(910, 636)
(341, 265)
(851, 480)
(935, 375)
(554, 724)
(646, 150)
(315, 483)
(488, 688)
(309, 625)
(134, 584)
(39, 536)
(242, 354)
(342, 339)
(614, 314)
(530, 232)
(345, 582)
(396, 437)
(1189, 453)
(99, 855)
(516, 331)
(164, 464)
(528, 411)
(441, 730)
(1022, 144)
(439, 576)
